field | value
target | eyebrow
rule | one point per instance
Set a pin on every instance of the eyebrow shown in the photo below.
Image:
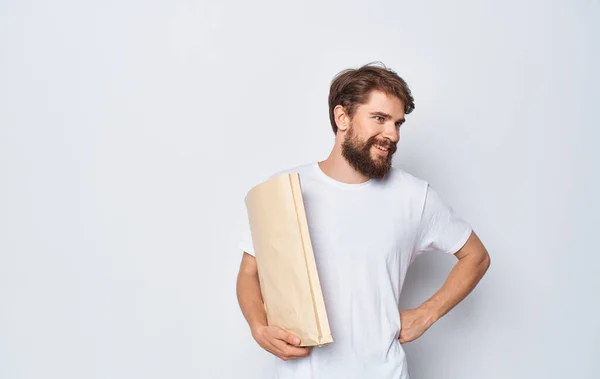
(385, 115)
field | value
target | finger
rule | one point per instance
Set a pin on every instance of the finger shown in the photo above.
(271, 347)
(291, 351)
(287, 337)
(294, 340)
(297, 352)
(280, 347)
(405, 340)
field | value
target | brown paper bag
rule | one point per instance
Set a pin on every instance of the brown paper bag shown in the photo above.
(287, 271)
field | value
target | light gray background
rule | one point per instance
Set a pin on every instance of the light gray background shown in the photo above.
(131, 130)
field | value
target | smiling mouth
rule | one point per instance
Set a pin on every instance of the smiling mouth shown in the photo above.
(381, 148)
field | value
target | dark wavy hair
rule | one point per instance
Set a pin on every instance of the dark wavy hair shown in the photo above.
(352, 87)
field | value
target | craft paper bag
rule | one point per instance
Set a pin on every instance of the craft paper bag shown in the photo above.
(287, 271)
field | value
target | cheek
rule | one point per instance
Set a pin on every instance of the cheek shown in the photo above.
(366, 130)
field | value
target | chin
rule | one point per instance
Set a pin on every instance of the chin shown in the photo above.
(378, 159)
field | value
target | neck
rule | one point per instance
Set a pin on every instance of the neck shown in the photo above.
(338, 168)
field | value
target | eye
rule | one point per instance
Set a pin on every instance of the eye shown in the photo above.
(398, 124)
(379, 118)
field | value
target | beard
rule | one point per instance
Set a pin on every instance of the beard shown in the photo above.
(359, 156)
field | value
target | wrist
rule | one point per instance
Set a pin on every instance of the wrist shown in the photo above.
(256, 327)
(430, 314)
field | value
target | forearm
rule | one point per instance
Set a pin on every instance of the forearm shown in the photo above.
(250, 300)
(460, 282)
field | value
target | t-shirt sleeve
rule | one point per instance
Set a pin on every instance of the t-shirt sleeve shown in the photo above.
(245, 242)
(441, 229)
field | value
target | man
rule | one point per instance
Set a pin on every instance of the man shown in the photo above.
(368, 221)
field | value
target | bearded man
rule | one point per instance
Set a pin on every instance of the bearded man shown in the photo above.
(368, 221)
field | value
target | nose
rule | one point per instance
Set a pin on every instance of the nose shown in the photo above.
(391, 132)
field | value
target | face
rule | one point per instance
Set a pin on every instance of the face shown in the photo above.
(372, 135)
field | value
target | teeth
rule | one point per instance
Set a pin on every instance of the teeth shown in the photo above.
(381, 148)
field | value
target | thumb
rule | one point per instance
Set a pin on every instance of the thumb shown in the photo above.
(288, 337)
(293, 340)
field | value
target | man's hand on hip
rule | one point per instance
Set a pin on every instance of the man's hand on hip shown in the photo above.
(414, 322)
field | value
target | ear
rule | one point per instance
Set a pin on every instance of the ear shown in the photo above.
(341, 117)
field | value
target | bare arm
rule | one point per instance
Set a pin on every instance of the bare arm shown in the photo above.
(473, 263)
(248, 293)
(274, 340)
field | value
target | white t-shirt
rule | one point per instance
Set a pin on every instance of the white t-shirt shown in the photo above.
(364, 238)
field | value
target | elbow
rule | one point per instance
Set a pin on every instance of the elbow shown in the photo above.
(486, 261)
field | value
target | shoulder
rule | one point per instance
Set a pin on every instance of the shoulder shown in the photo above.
(300, 169)
(399, 178)
(405, 193)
